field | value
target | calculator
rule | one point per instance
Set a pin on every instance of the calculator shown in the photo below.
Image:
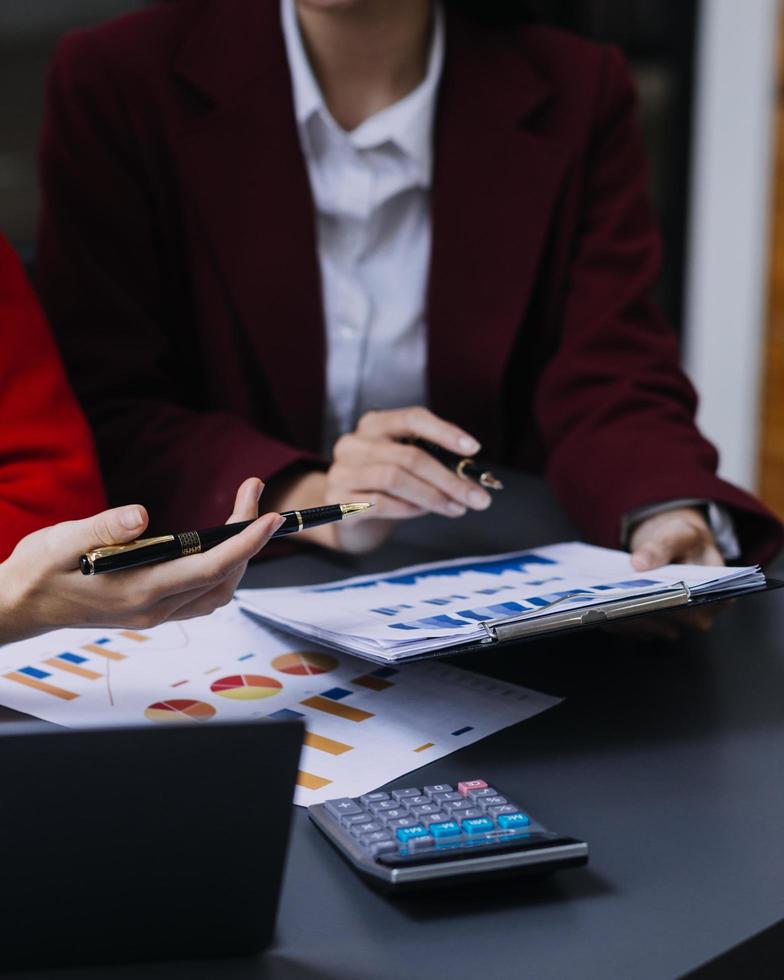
(441, 834)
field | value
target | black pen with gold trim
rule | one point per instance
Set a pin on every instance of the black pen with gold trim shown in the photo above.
(145, 551)
(466, 467)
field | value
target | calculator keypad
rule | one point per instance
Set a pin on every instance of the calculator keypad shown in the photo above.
(437, 817)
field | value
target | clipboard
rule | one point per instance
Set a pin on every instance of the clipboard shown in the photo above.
(522, 628)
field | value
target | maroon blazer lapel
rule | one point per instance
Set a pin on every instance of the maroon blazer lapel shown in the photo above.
(248, 180)
(495, 188)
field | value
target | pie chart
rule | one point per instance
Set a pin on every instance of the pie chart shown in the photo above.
(304, 664)
(179, 710)
(246, 687)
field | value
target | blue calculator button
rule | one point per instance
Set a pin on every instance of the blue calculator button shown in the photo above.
(512, 821)
(478, 825)
(449, 828)
(406, 833)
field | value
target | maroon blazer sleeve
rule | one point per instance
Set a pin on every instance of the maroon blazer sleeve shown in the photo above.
(615, 410)
(48, 468)
(108, 291)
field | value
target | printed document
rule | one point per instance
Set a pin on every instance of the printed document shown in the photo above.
(428, 608)
(364, 726)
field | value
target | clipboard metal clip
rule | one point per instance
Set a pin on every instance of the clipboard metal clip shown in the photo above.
(523, 625)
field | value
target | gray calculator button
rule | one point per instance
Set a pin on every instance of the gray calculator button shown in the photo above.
(376, 797)
(396, 814)
(494, 800)
(479, 794)
(349, 819)
(383, 805)
(368, 827)
(404, 794)
(438, 817)
(376, 837)
(494, 811)
(470, 814)
(446, 797)
(423, 808)
(456, 806)
(402, 822)
(420, 800)
(420, 843)
(438, 788)
(382, 847)
(342, 807)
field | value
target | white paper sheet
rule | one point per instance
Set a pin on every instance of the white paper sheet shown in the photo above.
(225, 666)
(429, 607)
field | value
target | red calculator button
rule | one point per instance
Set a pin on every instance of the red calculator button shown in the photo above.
(464, 788)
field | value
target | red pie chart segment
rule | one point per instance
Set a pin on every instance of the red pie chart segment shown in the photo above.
(246, 687)
(179, 709)
(304, 664)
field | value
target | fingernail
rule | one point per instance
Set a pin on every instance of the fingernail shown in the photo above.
(468, 445)
(455, 510)
(478, 500)
(131, 518)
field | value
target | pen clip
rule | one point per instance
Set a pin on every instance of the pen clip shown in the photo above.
(108, 551)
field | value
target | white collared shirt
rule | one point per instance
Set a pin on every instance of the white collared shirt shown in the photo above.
(371, 188)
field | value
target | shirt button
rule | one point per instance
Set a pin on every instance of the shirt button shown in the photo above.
(347, 331)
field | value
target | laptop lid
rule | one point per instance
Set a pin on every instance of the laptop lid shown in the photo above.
(142, 843)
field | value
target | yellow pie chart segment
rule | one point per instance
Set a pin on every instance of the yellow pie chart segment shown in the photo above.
(246, 687)
(178, 709)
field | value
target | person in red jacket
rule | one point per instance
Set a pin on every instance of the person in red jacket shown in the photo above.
(49, 473)
(301, 231)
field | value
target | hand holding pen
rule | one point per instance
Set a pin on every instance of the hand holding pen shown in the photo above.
(402, 480)
(41, 587)
(184, 544)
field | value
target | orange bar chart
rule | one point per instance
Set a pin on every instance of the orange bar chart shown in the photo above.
(309, 781)
(72, 668)
(29, 680)
(133, 635)
(330, 707)
(103, 651)
(324, 744)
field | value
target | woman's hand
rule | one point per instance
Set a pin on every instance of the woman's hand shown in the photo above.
(373, 464)
(678, 536)
(42, 588)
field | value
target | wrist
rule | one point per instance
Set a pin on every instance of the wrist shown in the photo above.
(14, 624)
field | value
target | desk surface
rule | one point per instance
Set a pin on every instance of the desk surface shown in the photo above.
(666, 758)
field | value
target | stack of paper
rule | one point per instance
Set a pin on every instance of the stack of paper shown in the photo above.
(426, 608)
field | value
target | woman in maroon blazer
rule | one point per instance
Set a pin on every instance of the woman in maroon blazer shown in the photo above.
(265, 219)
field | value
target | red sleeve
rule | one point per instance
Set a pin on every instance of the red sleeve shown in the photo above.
(48, 470)
(108, 289)
(615, 409)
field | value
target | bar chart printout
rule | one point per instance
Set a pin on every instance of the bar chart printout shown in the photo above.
(364, 725)
(417, 611)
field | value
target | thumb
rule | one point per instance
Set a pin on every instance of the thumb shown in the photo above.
(117, 526)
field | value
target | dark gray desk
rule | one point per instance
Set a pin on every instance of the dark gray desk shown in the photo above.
(667, 759)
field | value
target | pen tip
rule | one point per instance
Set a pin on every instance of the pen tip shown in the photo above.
(357, 508)
(490, 481)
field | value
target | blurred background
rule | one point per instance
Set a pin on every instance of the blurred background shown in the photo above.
(712, 109)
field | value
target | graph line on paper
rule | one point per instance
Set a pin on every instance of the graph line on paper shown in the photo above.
(491, 566)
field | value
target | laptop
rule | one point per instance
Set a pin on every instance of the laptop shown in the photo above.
(142, 843)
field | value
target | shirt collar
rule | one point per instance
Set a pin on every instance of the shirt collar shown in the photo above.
(407, 123)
